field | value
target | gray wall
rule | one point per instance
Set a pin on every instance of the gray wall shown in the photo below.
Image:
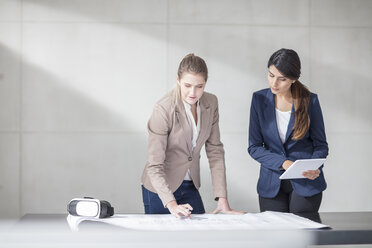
(79, 78)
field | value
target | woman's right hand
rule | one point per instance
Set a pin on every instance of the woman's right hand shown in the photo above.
(179, 210)
(287, 164)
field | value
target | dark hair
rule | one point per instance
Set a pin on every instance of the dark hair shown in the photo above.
(193, 63)
(289, 65)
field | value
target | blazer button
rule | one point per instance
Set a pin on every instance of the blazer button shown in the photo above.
(190, 158)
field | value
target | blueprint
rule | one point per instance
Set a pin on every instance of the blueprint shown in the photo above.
(167, 222)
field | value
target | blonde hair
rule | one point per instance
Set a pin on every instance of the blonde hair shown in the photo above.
(193, 63)
(190, 63)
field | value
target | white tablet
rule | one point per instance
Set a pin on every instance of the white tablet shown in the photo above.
(301, 165)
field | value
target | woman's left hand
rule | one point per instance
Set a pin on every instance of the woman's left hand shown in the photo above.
(311, 174)
(223, 207)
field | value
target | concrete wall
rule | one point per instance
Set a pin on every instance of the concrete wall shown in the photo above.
(79, 78)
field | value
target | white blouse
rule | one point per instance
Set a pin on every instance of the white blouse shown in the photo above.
(282, 121)
(195, 128)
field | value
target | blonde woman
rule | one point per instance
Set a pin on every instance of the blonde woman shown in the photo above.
(182, 122)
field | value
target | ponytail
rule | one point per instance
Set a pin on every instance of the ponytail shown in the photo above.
(301, 97)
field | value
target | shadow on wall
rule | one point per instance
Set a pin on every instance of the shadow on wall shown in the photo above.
(72, 146)
(9, 137)
(92, 13)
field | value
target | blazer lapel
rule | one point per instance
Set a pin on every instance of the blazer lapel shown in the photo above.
(205, 115)
(290, 124)
(182, 119)
(270, 115)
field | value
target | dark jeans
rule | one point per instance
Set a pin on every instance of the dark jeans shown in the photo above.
(186, 193)
(287, 200)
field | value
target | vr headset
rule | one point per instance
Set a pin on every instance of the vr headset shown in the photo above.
(90, 207)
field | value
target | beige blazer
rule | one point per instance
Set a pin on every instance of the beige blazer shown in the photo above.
(170, 152)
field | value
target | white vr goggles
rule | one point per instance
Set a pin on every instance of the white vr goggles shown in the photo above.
(90, 207)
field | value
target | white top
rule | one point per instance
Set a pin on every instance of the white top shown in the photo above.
(282, 121)
(195, 128)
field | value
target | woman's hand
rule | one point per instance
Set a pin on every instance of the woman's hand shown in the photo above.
(179, 210)
(287, 164)
(311, 174)
(223, 207)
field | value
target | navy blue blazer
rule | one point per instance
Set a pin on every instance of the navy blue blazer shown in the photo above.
(266, 147)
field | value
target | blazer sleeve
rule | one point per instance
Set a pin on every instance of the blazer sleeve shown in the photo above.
(158, 129)
(216, 157)
(317, 131)
(257, 148)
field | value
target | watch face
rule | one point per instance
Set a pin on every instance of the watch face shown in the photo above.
(87, 208)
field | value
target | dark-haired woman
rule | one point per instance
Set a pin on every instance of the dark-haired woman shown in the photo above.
(286, 124)
(182, 122)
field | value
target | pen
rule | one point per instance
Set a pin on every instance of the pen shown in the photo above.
(189, 212)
